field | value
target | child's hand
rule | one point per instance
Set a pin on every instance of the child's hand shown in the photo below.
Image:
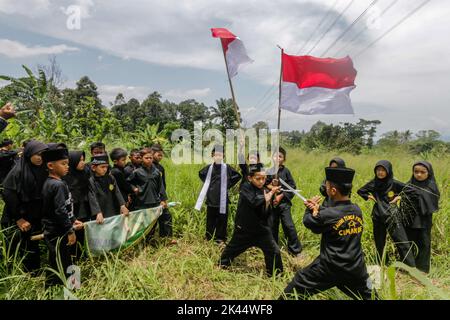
(395, 200)
(124, 210)
(71, 239)
(268, 196)
(278, 198)
(78, 225)
(313, 206)
(7, 111)
(23, 225)
(164, 204)
(371, 197)
(100, 218)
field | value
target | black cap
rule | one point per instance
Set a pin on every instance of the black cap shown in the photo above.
(100, 159)
(55, 154)
(157, 148)
(6, 142)
(254, 168)
(339, 175)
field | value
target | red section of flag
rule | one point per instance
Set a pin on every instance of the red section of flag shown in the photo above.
(308, 71)
(225, 36)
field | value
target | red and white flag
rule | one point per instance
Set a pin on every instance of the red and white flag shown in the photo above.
(317, 85)
(235, 53)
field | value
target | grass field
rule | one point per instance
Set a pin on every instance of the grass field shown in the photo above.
(188, 270)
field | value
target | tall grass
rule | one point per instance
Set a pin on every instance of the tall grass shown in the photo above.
(188, 270)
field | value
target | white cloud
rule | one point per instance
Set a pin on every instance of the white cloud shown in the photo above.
(108, 92)
(28, 8)
(15, 49)
(404, 74)
(180, 95)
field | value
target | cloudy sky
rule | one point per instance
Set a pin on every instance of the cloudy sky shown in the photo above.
(139, 46)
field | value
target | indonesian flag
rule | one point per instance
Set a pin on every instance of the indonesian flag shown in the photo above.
(317, 85)
(234, 49)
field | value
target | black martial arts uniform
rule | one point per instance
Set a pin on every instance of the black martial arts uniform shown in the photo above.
(150, 185)
(23, 200)
(384, 221)
(282, 212)
(3, 124)
(7, 162)
(78, 183)
(129, 168)
(58, 219)
(341, 260)
(165, 220)
(124, 187)
(216, 222)
(421, 199)
(323, 189)
(104, 196)
(252, 230)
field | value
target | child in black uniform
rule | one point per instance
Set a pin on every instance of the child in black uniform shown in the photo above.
(165, 220)
(78, 182)
(384, 191)
(215, 189)
(23, 204)
(281, 209)
(105, 198)
(119, 158)
(252, 225)
(421, 200)
(58, 219)
(341, 260)
(148, 182)
(135, 162)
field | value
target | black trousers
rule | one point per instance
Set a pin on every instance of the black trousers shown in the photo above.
(241, 241)
(317, 277)
(422, 239)
(57, 251)
(399, 237)
(216, 224)
(26, 249)
(165, 225)
(282, 214)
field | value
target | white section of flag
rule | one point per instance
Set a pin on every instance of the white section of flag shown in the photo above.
(236, 56)
(316, 100)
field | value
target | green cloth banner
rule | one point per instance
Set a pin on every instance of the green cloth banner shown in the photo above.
(119, 232)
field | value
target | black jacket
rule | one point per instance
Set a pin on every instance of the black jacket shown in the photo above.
(252, 215)
(341, 227)
(58, 216)
(104, 196)
(213, 194)
(163, 173)
(150, 185)
(124, 187)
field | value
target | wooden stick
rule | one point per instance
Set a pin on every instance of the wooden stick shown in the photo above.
(236, 108)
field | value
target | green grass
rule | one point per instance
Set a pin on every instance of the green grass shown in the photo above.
(188, 270)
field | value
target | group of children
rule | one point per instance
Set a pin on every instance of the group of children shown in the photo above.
(264, 203)
(54, 190)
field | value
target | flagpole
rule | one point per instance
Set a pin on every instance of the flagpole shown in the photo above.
(279, 90)
(235, 106)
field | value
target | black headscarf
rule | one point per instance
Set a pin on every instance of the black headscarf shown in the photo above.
(382, 186)
(74, 160)
(339, 161)
(426, 192)
(26, 178)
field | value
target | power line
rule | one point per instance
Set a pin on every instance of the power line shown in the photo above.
(365, 28)
(349, 27)
(317, 28)
(392, 28)
(331, 26)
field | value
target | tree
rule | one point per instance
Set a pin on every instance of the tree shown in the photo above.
(189, 111)
(224, 114)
